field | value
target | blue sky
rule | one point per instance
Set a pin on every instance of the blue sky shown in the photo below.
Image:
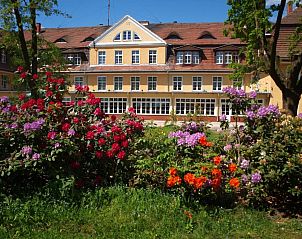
(94, 12)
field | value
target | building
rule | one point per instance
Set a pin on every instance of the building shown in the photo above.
(161, 70)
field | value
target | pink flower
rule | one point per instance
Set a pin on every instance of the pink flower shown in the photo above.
(51, 135)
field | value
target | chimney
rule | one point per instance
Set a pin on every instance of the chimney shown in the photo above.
(38, 28)
(289, 7)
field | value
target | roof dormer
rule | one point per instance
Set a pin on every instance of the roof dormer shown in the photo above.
(173, 35)
(206, 35)
(60, 40)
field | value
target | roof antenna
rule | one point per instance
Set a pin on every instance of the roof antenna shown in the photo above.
(108, 23)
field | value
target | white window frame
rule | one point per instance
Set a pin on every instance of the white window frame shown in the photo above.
(118, 83)
(217, 83)
(118, 57)
(101, 57)
(236, 85)
(102, 83)
(127, 35)
(135, 56)
(152, 56)
(188, 57)
(179, 57)
(197, 83)
(195, 57)
(136, 37)
(114, 105)
(228, 57)
(152, 83)
(79, 81)
(117, 37)
(135, 83)
(185, 106)
(219, 57)
(177, 83)
(151, 106)
(3, 56)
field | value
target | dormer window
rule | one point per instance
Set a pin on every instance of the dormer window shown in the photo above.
(3, 56)
(73, 59)
(227, 57)
(117, 37)
(126, 35)
(136, 37)
(60, 40)
(88, 39)
(173, 35)
(206, 35)
(187, 57)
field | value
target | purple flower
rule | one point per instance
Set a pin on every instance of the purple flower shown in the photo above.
(244, 178)
(256, 178)
(14, 126)
(244, 164)
(253, 94)
(4, 99)
(223, 117)
(36, 156)
(71, 132)
(57, 145)
(250, 114)
(185, 138)
(26, 150)
(227, 147)
(299, 115)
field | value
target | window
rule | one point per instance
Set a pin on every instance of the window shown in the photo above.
(117, 37)
(227, 57)
(179, 57)
(79, 81)
(152, 83)
(158, 106)
(177, 83)
(197, 83)
(3, 56)
(113, 105)
(4, 82)
(136, 37)
(102, 83)
(226, 107)
(152, 56)
(195, 57)
(66, 100)
(237, 83)
(118, 57)
(217, 83)
(135, 82)
(195, 106)
(73, 59)
(260, 101)
(102, 58)
(118, 83)
(188, 57)
(219, 57)
(126, 35)
(135, 57)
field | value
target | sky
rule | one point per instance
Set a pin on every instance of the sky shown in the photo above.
(95, 12)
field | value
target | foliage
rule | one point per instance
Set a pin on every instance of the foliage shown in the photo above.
(44, 137)
(251, 21)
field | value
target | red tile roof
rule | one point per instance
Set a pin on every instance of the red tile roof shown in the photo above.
(294, 17)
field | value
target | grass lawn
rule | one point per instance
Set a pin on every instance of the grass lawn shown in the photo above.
(119, 212)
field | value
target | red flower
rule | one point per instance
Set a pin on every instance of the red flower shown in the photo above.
(189, 178)
(232, 167)
(234, 182)
(20, 69)
(99, 154)
(75, 165)
(116, 138)
(216, 173)
(35, 76)
(203, 142)
(173, 180)
(51, 135)
(101, 141)
(75, 120)
(49, 93)
(131, 110)
(217, 160)
(23, 75)
(125, 144)
(216, 183)
(48, 74)
(115, 147)
(173, 171)
(90, 135)
(116, 129)
(110, 154)
(113, 117)
(198, 182)
(121, 155)
(65, 127)
(21, 97)
(97, 111)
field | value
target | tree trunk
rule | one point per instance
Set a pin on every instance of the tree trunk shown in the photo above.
(291, 101)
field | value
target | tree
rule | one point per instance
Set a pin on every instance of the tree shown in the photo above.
(251, 21)
(19, 16)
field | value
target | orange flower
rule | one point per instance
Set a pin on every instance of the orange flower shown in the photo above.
(172, 181)
(188, 214)
(216, 183)
(198, 182)
(204, 169)
(203, 141)
(189, 178)
(217, 160)
(232, 167)
(234, 182)
(172, 171)
(216, 173)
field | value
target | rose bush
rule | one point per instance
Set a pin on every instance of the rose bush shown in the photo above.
(77, 140)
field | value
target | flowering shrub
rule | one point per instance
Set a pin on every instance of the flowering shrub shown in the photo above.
(79, 140)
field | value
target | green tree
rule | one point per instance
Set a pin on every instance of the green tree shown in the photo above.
(18, 17)
(251, 21)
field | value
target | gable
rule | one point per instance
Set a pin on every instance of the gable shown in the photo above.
(129, 32)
